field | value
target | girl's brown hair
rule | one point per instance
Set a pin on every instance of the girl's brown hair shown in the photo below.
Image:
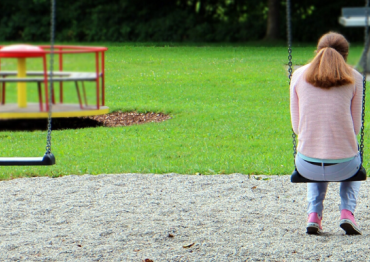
(329, 67)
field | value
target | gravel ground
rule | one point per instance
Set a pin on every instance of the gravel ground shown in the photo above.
(135, 217)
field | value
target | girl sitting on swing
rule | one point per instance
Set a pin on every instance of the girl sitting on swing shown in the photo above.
(326, 106)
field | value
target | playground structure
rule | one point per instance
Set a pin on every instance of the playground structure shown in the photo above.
(24, 109)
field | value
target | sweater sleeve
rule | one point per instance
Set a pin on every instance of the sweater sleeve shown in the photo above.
(356, 104)
(294, 108)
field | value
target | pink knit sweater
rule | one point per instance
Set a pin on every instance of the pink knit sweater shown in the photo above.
(326, 120)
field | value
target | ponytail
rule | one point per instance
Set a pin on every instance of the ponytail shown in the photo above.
(329, 69)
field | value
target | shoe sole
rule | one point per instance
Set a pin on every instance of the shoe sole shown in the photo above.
(350, 228)
(313, 229)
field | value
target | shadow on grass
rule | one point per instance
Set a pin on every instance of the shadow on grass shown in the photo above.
(41, 124)
(114, 119)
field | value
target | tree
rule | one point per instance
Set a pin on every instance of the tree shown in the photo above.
(273, 26)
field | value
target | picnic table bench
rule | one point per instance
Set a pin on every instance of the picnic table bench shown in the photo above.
(353, 17)
(356, 17)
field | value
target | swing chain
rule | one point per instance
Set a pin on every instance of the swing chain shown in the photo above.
(52, 33)
(294, 136)
(289, 33)
(363, 122)
(290, 65)
(364, 78)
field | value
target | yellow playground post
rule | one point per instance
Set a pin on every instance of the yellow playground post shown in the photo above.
(21, 86)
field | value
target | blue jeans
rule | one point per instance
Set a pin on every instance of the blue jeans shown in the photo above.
(316, 194)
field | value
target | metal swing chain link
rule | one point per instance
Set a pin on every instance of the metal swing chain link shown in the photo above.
(52, 33)
(290, 64)
(289, 33)
(364, 79)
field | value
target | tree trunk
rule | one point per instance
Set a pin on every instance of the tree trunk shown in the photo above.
(272, 32)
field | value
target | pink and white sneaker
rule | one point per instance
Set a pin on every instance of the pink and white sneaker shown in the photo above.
(348, 224)
(314, 224)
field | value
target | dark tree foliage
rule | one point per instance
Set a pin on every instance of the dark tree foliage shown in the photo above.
(312, 18)
(169, 20)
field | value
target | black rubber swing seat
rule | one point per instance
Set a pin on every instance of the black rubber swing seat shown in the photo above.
(46, 160)
(296, 177)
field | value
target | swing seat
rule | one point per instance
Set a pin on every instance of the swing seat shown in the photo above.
(296, 177)
(46, 160)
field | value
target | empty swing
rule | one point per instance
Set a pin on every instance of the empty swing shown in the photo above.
(296, 177)
(48, 158)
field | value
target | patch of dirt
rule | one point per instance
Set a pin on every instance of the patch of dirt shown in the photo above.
(129, 118)
(108, 120)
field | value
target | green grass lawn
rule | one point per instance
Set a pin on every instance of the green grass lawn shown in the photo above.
(229, 106)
